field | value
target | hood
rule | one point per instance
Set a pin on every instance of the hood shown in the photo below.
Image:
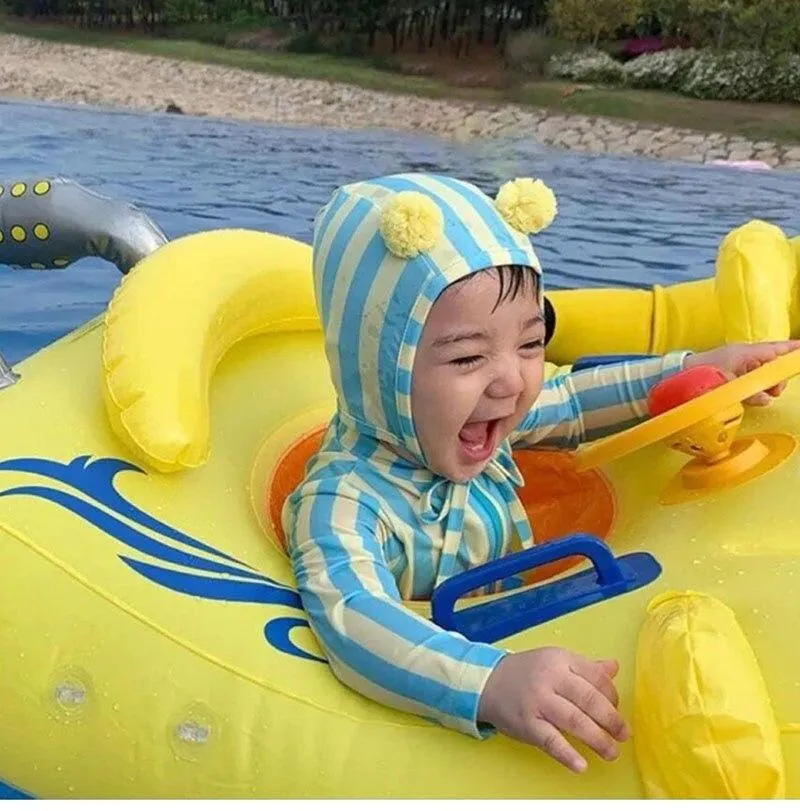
(384, 250)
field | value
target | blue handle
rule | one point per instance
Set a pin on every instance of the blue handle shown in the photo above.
(506, 616)
(590, 361)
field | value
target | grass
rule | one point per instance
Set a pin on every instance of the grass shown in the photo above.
(773, 122)
(767, 122)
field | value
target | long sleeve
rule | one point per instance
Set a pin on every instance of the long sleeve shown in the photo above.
(587, 405)
(374, 644)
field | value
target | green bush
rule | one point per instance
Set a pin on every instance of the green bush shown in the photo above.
(702, 74)
(744, 76)
(588, 65)
(663, 70)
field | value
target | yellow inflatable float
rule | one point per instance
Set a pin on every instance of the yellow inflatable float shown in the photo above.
(153, 642)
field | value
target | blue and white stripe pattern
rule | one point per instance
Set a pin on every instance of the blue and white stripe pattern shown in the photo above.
(371, 526)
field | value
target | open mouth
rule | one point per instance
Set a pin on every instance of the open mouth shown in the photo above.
(478, 440)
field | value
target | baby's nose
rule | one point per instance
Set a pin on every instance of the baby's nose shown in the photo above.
(508, 383)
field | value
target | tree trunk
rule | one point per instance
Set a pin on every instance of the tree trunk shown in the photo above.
(392, 27)
(444, 24)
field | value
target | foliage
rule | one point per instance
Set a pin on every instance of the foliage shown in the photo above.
(589, 20)
(588, 65)
(745, 75)
(530, 34)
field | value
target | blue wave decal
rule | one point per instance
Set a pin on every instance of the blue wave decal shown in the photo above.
(9, 792)
(215, 588)
(96, 480)
(128, 535)
(277, 631)
(213, 580)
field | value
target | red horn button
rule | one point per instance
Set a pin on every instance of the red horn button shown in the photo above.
(682, 387)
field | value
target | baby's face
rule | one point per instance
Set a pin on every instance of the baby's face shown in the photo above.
(478, 369)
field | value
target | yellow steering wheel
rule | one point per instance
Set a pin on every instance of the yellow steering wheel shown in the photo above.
(685, 416)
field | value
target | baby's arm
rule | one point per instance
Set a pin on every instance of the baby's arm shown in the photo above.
(587, 405)
(374, 644)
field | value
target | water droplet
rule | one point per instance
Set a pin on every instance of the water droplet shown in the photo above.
(70, 694)
(115, 706)
(192, 732)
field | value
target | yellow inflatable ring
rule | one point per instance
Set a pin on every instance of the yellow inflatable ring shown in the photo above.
(156, 668)
(167, 327)
(685, 416)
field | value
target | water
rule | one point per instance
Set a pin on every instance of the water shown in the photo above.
(622, 221)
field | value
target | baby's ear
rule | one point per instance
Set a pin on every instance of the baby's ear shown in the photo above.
(411, 223)
(526, 204)
(549, 320)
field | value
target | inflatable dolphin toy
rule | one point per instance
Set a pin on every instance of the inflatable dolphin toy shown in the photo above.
(49, 223)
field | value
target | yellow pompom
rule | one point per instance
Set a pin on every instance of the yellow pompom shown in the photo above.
(411, 223)
(526, 204)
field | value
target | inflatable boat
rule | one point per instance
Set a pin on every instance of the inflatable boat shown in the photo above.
(154, 644)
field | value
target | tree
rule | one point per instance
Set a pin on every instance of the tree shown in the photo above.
(589, 20)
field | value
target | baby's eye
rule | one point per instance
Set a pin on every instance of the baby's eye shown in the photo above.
(467, 360)
(538, 343)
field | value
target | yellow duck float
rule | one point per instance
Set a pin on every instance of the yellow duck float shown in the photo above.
(154, 644)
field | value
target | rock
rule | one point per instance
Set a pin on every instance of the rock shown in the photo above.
(675, 150)
(572, 138)
(694, 138)
(792, 154)
(173, 108)
(740, 154)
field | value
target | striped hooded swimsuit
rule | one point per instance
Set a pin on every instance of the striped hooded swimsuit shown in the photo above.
(368, 527)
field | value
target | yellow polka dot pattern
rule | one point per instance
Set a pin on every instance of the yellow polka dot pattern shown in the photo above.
(40, 230)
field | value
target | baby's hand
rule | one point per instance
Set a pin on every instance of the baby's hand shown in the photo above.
(738, 359)
(537, 695)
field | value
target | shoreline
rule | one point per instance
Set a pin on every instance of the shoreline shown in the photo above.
(39, 70)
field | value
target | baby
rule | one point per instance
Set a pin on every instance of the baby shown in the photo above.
(431, 299)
